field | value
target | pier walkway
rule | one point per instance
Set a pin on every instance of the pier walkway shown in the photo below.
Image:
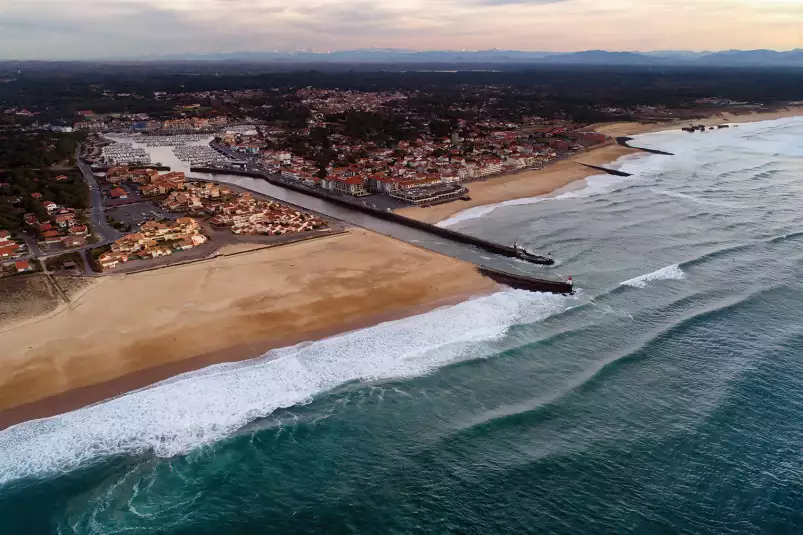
(481, 252)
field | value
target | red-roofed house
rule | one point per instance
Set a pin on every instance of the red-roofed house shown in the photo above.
(5, 236)
(118, 193)
(50, 206)
(23, 266)
(111, 259)
(36, 195)
(346, 185)
(8, 251)
(73, 241)
(64, 220)
(62, 178)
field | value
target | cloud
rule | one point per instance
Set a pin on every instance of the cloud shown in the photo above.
(520, 2)
(73, 29)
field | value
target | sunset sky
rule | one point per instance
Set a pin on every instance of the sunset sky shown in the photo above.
(75, 29)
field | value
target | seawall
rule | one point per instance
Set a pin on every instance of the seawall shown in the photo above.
(606, 170)
(625, 142)
(491, 247)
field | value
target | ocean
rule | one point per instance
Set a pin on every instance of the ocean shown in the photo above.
(666, 396)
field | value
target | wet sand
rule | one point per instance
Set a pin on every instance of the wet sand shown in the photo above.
(129, 331)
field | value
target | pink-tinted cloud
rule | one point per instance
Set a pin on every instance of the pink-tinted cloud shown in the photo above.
(106, 28)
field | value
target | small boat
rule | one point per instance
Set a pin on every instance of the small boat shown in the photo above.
(524, 254)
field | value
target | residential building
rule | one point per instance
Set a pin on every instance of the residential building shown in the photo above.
(23, 266)
(118, 193)
(155, 239)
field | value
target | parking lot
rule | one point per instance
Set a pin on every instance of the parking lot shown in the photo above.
(136, 214)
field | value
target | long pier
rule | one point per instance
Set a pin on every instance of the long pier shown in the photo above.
(625, 142)
(485, 245)
(606, 170)
(519, 281)
(522, 282)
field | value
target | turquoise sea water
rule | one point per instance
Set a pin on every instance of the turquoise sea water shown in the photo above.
(665, 397)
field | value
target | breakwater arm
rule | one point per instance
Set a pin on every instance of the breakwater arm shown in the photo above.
(606, 170)
(485, 245)
(531, 284)
(625, 142)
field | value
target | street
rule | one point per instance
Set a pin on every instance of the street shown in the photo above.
(100, 227)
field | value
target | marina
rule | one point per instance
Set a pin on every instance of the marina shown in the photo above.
(125, 153)
(198, 154)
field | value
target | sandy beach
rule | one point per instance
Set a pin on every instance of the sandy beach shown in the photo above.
(562, 173)
(634, 129)
(129, 331)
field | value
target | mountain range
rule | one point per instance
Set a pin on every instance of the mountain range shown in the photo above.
(735, 58)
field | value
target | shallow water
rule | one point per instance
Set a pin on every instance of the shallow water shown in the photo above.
(666, 397)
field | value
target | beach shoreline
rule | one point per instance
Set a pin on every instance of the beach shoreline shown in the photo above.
(132, 331)
(557, 175)
(85, 396)
(127, 332)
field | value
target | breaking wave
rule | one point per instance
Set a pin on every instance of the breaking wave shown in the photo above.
(595, 185)
(198, 408)
(668, 273)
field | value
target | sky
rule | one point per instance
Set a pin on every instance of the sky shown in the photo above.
(93, 29)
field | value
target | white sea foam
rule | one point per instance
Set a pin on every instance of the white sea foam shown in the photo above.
(594, 185)
(695, 199)
(668, 273)
(201, 407)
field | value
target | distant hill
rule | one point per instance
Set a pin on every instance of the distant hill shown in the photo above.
(677, 54)
(364, 55)
(755, 58)
(602, 57)
(734, 58)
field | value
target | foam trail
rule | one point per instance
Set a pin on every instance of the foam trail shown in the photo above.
(201, 407)
(594, 185)
(694, 199)
(668, 273)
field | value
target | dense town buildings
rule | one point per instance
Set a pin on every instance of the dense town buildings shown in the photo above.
(247, 215)
(151, 183)
(153, 240)
(242, 213)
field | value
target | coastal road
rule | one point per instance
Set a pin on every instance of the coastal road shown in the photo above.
(101, 227)
(33, 247)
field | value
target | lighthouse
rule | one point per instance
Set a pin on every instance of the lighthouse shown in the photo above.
(570, 281)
